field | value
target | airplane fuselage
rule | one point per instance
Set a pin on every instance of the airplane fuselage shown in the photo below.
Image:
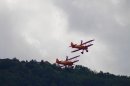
(66, 63)
(79, 47)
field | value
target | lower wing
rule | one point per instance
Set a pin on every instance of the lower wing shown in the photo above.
(75, 61)
(75, 50)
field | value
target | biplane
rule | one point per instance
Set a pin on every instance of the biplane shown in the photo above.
(68, 62)
(82, 46)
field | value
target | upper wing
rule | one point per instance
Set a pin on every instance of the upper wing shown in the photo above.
(74, 57)
(87, 42)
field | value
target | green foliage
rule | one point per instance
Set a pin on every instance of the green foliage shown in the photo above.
(32, 73)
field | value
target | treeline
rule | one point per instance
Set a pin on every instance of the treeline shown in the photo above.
(32, 73)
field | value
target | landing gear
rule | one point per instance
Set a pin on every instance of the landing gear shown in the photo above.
(82, 52)
(86, 50)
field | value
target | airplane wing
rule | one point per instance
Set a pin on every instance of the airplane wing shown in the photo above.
(89, 45)
(87, 42)
(75, 61)
(75, 50)
(74, 57)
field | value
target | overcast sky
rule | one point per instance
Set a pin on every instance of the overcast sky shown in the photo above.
(43, 30)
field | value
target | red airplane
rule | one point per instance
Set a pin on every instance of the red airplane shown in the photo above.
(82, 46)
(67, 62)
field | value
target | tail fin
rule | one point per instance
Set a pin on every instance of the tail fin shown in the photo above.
(71, 44)
(57, 61)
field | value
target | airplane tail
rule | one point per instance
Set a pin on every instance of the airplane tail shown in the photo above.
(71, 44)
(57, 61)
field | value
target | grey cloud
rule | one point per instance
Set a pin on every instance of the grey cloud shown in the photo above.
(13, 43)
(28, 30)
(44, 29)
(107, 21)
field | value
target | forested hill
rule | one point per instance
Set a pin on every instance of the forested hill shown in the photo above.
(32, 73)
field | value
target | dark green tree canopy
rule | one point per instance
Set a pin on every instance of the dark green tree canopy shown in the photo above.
(32, 73)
